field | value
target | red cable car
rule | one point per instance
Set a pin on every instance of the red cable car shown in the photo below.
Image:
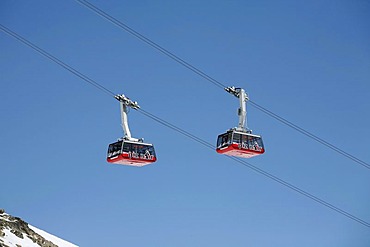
(240, 141)
(240, 144)
(124, 152)
(127, 150)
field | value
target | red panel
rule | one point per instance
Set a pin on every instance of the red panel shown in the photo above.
(236, 150)
(127, 159)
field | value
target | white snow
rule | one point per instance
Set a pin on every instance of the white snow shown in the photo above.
(55, 240)
(5, 214)
(12, 240)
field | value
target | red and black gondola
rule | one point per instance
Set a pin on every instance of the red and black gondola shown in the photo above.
(240, 141)
(240, 144)
(125, 152)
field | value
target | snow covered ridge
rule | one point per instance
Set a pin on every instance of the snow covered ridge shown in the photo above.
(14, 232)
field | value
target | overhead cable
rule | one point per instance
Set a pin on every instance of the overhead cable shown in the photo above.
(182, 131)
(56, 60)
(310, 135)
(149, 42)
(256, 169)
(215, 82)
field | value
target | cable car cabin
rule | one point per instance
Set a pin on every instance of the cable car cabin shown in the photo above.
(124, 152)
(240, 144)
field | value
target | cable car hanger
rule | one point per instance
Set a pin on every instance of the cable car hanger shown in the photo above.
(242, 111)
(128, 150)
(125, 103)
(240, 141)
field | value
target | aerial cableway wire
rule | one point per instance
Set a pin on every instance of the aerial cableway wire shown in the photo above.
(217, 83)
(181, 131)
(310, 135)
(56, 60)
(150, 42)
(256, 169)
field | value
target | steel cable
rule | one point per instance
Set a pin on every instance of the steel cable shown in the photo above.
(217, 83)
(182, 131)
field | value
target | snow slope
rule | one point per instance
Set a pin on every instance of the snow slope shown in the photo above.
(14, 232)
(11, 240)
(58, 241)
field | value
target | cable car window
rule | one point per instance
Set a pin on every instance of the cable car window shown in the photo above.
(259, 143)
(223, 140)
(149, 149)
(219, 141)
(135, 148)
(245, 141)
(256, 143)
(126, 147)
(236, 138)
(250, 142)
(139, 148)
(142, 151)
(114, 149)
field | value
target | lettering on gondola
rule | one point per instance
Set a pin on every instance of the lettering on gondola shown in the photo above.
(254, 146)
(145, 156)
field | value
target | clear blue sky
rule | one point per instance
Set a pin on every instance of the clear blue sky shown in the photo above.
(308, 61)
